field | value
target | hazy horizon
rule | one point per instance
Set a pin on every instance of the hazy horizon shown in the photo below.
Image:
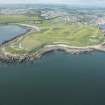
(74, 2)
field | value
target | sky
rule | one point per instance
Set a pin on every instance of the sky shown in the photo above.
(89, 2)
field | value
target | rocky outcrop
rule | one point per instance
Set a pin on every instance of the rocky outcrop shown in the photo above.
(30, 57)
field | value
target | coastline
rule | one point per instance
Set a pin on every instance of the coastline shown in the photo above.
(9, 58)
(13, 58)
(30, 29)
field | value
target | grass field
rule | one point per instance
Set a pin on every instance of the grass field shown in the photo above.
(17, 19)
(70, 34)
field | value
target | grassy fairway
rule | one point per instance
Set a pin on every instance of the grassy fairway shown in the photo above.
(75, 35)
(54, 31)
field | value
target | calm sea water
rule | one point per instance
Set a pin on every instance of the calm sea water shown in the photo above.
(55, 79)
(10, 31)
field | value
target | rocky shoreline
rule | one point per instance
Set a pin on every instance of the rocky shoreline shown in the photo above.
(30, 57)
(8, 41)
(29, 29)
